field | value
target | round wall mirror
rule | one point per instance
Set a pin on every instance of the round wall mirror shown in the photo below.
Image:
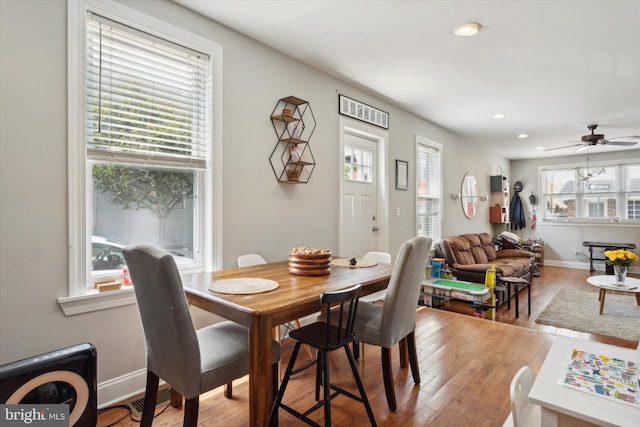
(469, 194)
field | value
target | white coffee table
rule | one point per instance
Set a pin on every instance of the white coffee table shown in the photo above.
(608, 283)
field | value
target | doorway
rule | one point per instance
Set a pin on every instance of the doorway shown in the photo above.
(363, 203)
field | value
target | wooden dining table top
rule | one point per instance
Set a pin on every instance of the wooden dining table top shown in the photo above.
(295, 297)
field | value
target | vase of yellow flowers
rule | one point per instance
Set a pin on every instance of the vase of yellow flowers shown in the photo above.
(620, 259)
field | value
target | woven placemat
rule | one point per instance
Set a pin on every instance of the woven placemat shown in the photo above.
(243, 286)
(360, 263)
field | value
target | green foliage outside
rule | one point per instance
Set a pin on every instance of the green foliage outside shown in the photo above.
(157, 190)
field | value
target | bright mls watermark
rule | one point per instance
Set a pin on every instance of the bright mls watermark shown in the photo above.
(34, 415)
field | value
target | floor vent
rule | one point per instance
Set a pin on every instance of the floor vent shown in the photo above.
(164, 396)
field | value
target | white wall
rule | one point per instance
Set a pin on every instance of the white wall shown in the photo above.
(563, 241)
(260, 215)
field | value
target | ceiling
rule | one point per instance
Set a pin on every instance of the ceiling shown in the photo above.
(552, 67)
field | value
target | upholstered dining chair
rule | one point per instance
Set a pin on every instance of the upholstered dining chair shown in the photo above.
(523, 413)
(394, 321)
(191, 361)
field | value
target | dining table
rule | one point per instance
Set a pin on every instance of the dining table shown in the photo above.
(296, 296)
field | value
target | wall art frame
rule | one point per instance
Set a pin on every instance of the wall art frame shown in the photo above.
(360, 111)
(402, 175)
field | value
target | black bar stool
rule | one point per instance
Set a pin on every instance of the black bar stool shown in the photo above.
(326, 337)
(518, 285)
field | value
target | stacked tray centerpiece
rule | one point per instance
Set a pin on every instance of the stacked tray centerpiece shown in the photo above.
(309, 261)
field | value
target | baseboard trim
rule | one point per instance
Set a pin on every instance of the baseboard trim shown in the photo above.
(117, 389)
(584, 265)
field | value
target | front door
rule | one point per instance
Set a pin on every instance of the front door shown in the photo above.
(359, 219)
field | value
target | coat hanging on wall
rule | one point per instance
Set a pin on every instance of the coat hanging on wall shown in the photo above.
(516, 209)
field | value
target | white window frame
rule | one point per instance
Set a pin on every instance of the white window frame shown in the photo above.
(437, 146)
(78, 300)
(618, 192)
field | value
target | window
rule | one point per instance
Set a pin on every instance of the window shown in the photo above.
(428, 189)
(141, 157)
(357, 164)
(602, 192)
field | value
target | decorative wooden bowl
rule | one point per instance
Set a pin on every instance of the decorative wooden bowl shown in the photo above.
(310, 264)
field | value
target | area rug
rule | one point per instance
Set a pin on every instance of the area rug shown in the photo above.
(578, 311)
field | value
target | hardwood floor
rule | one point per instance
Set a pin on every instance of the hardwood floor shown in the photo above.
(466, 365)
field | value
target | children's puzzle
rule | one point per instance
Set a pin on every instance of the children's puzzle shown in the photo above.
(611, 378)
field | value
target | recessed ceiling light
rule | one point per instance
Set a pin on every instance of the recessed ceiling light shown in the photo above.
(539, 148)
(499, 116)
(468, 29)
(523, 135)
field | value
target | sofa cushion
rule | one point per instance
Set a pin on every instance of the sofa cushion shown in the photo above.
(488, 246)
(460, 250)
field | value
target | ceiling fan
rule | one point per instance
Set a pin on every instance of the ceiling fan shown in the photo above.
(598, 139)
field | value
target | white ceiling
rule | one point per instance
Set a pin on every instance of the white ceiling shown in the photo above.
(552, 67)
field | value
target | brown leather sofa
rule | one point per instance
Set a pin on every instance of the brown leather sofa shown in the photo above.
(470, 255)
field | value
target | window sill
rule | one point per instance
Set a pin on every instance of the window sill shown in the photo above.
(97, 301)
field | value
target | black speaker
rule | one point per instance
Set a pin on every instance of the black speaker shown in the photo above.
(63, 376)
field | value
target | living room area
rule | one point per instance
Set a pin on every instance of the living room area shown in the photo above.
(446, 108)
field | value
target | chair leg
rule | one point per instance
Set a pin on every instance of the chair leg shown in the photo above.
(228, 390)
(319, 368)
(150, 398)
(356, 348)
(191, 412)
(363, 393)
(387, 376)
(326, 383)
(273, 416)
(402, 348)
(413, 356)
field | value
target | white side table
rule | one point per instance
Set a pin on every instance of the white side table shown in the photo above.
(608, 283)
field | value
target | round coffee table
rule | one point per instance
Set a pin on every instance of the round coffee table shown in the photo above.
(608, 283)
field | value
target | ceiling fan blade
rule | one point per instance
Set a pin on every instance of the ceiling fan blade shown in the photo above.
(636, 137)
(565, 146)
(625, 143)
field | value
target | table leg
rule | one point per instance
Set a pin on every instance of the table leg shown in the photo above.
(590, 259)
(517, 297)
(638, 298)
(260, 388)
(603, 292)
(548, 417)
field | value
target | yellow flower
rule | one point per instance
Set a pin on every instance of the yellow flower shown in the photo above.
(620, 257)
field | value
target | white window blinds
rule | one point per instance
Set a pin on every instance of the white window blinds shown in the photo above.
(146, 98)
(429, 203)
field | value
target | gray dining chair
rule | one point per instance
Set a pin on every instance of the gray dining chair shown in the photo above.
(191, 361)
(394, 321)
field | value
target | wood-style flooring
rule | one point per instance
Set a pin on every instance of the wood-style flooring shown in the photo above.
(466, 365)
